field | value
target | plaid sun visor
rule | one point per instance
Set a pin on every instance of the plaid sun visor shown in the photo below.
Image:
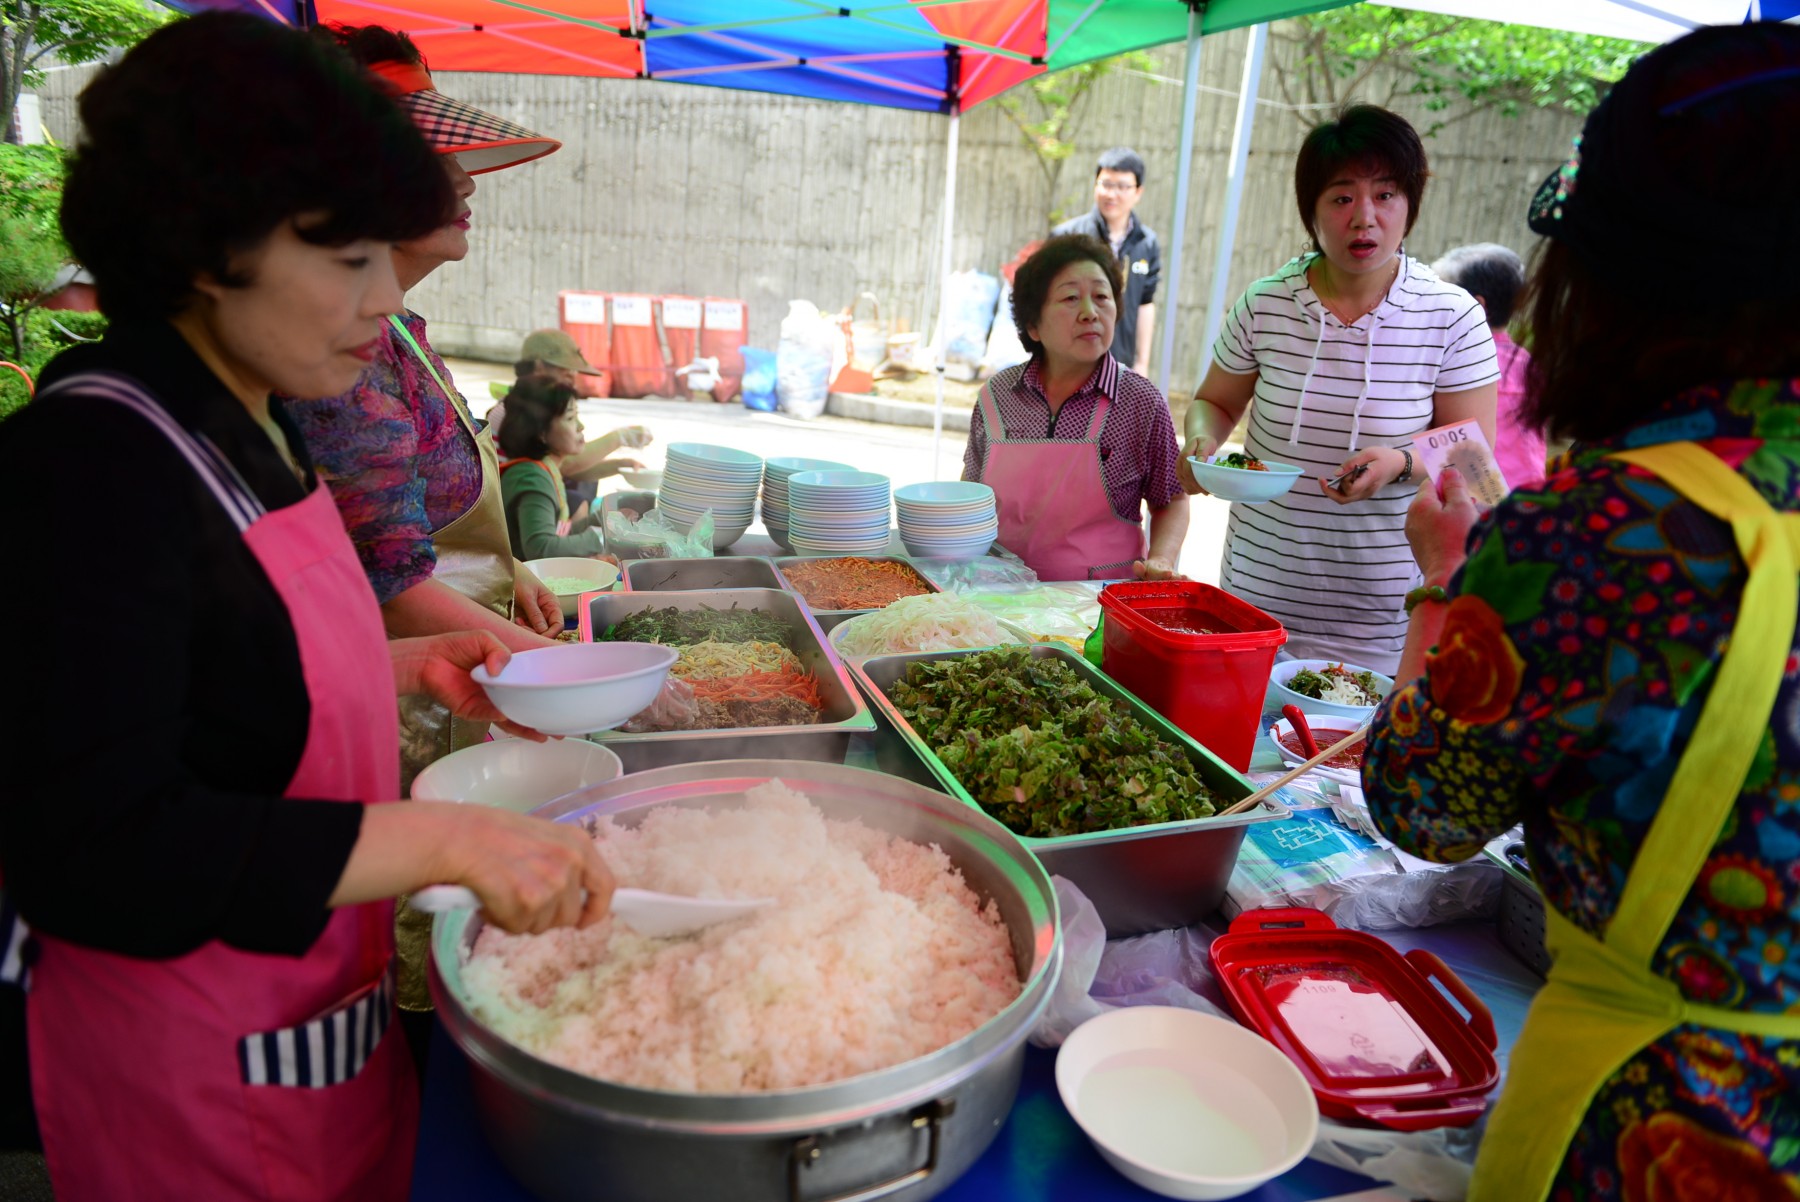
(479, 140)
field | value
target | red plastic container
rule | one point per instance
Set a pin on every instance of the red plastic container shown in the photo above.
(1210, 685)
(1365, 1026)
(582, 316)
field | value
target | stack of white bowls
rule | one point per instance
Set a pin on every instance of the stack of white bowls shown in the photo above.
(775, 504)
(838, 513)
(701, 477)
(952, 519)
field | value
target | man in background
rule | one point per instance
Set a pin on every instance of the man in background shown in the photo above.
(1118, 186)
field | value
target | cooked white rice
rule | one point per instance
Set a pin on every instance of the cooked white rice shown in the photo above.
(876, 952)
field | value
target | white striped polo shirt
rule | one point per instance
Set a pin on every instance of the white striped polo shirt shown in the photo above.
(1337, 575)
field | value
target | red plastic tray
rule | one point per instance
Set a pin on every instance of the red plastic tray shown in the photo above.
(1376, 1040)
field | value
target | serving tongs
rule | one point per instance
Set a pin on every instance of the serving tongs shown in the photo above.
(657, 915)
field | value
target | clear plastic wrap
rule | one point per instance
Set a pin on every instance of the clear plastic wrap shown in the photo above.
(653, 536)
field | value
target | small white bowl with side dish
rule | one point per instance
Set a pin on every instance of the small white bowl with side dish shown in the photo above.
(642, 479)
(1283, 673)
(570, 576)
(578, 688)
(516, 774)
(1185, 1104)
(1243, 484)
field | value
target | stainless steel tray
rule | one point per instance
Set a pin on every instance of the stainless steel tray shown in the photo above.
(1140, 878)
(828, 739)
(829, 618)
(685, 575)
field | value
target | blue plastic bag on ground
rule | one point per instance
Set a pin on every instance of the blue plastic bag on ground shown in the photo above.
(759, 379)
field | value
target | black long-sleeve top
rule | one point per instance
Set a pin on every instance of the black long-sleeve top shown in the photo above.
(156, 711)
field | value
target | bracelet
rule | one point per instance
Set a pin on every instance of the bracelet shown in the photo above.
(1429, 592)
(1406, 473)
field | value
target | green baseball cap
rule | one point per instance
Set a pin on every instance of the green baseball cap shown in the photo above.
(558, 350)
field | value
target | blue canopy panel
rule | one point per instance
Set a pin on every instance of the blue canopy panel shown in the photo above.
(892, 56)
(288, 12)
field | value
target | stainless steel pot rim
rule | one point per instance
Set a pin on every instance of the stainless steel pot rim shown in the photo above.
(819, 1107)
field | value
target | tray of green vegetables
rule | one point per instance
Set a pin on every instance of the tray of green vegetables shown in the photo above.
(1102, 788)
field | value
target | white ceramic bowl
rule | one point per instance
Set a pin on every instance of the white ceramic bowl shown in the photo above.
(712, 455)
(806, 546)
(1243, 484)
(782, 468)
(838, 480)
(946, 494)
(577, 688)
(596, 572)
(973, 549)
(642, 479)
(516, 774)
(1185, 1104)
(1284, 696)
(1335, 727)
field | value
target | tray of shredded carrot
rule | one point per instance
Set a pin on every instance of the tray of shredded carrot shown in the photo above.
(853, 583)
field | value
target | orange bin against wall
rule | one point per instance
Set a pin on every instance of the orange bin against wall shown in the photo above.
(681, 328)
(582, 316)
(638, 366)
(724, 328)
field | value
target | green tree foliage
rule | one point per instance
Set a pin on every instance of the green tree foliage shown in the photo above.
(73, 31)
(30, 192)
(1459, 66)
(1047, 111)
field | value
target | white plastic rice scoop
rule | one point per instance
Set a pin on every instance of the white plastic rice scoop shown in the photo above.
(658, 915)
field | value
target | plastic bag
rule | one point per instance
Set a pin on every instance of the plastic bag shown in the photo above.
(808, 356)
(1004, 348)
(1435, 1164)
(675, 708)
(970, 575)
(1062, 613)
(759, 379)
(1312, 859)
(653, 536)
(1163, 968)
(968, 315)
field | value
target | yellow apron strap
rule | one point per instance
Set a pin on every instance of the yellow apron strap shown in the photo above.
(1602, 1004)
(1731, 726)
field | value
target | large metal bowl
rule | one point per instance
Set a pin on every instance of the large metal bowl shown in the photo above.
(905, 1132)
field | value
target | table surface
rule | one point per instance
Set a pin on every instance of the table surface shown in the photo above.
(1039, 1155)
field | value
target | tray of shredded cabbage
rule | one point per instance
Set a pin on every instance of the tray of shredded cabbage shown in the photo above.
(933, 622)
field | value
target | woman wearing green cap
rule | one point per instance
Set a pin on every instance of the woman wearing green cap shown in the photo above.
(1612, 660)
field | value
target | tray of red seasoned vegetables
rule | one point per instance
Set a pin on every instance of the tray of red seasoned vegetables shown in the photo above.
(840, 587)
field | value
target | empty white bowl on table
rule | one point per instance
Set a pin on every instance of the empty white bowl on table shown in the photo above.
(642, 479)
(710, 455)
(1185, 1104)
(945, 494)
(578, 688)
(516, 774)
(1284, 696)
(1244, 484)
(783, 467)
(595, 575)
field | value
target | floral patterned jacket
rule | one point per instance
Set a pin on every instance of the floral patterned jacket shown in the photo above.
(1577, 652)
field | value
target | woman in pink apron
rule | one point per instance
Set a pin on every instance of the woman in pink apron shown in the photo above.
(1073, 444)
(198, 850)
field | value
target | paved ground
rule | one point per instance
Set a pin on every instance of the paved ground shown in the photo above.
(903, 453)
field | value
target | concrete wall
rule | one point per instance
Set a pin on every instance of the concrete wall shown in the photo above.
(671, 188)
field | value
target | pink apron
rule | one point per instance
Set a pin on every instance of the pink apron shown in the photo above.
(1054, 511)
(225, 1074)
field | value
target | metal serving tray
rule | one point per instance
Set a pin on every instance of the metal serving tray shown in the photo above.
(828, 739)
(829, 618)
(686, 575)
(1141, 878)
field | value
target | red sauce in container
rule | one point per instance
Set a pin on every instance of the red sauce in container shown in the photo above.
(1180, 619)
(1324, 736)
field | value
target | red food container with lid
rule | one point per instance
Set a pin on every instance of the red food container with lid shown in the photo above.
(1372, 1035)
(1211, 685)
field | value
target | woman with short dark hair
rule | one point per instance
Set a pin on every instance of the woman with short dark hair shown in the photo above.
(543, 427)
(1348, 351)
(1612, 660)
(206, 845)
(1072, 443)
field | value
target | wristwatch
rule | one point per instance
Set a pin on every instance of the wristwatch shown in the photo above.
(1405, 472)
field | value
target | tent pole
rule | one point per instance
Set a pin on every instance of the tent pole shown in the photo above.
(1234, 190)
(940, 336)
(1190, 92)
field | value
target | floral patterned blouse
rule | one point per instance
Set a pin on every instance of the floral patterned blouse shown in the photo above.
(1576, 655)
(400, 464)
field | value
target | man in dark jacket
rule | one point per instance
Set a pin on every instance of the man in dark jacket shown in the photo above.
(1118, 186)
